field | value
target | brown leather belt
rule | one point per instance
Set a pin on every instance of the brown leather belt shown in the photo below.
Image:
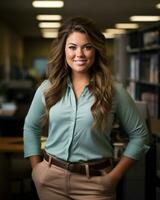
(90, 168)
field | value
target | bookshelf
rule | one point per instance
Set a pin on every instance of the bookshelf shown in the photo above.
(143, 81)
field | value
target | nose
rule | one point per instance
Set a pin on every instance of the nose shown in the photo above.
(79, 52)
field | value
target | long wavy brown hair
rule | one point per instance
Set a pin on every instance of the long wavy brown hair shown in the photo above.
(100, 77)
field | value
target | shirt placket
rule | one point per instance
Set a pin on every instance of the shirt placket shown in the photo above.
(73, 119)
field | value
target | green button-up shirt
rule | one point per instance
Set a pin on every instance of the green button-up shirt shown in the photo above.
(70, 136)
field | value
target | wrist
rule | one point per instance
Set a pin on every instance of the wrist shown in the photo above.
(34, 160)
(115, 176)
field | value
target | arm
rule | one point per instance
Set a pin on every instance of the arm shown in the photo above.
(136, 129)
(134, 126)
(32, 126)
(120, 169)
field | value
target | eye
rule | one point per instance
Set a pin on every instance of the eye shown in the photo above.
(88, 47)
(72, 47)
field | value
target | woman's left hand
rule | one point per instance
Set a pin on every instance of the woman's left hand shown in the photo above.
(113, 178)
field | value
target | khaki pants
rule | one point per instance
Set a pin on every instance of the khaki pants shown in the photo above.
(55, 183)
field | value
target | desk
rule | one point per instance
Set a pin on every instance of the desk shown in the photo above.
(11, 144)
(13, 166)
(15, 144)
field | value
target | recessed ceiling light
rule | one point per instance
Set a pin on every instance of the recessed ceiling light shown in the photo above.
(49, 24)
(115, 31)
(50, 34)
(127, 25)
(44, 30)
(158, 6)
(108, 36)
(49, 17)
(48, 4)
(145, 18)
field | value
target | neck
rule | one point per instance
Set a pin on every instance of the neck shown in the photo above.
(79, 81)
(80, 78)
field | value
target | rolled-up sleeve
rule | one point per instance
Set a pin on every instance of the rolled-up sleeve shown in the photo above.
(133, 124)
(32, 126)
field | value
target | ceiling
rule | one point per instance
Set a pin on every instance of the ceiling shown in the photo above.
(21, 16)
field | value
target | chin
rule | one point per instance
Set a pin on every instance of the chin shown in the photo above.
(80, 69)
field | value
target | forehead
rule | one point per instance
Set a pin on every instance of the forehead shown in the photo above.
(78, 37)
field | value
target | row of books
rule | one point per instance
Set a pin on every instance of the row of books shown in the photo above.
(151, 38)
(134, 67)
(146, 68)
(152, 101)
(149, 97)
(138, 40)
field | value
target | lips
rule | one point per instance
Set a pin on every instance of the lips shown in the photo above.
(80, 62)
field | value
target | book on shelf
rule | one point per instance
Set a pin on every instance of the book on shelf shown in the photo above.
(150, 38)
(145, 67)
(149, 68)
(134, 67)
(154, 68)
(152, 100)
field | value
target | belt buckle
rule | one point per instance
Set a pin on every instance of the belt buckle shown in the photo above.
(70, 167)
(87, 170)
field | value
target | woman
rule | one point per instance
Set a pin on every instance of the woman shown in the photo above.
(78, 103)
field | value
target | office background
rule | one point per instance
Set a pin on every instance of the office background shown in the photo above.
(133, 54)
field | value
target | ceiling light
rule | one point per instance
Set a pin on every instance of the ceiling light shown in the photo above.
(158, 6)
(126, 26)
(48, 4)
(49, 24)
(49, 17)
(108, 36)
(44, 30)
(115, 31)
(145, 18)
(50, 34)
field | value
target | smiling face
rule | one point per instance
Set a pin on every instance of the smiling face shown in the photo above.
(79, 52)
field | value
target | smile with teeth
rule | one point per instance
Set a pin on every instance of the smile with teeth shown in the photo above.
(80, 62)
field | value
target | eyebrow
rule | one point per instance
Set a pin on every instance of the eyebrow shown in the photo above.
(77, 45)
